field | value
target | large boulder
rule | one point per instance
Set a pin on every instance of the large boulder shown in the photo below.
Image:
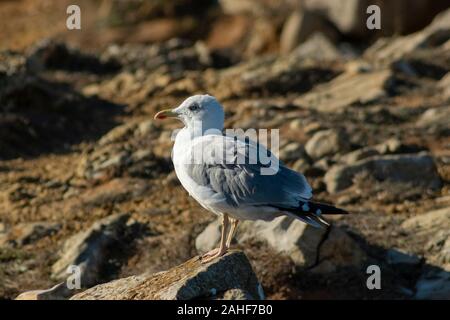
(433, 229)
(417, 169)
(90, 249)
(304, 244)
(230, 276)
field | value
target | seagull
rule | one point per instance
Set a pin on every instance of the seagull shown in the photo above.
(219, 173)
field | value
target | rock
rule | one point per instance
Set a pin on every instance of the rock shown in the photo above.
(286, 235)
(58, 292)
(403, 16)
(338, 250)
(303, 243)
(429, 222)
(209, 237)
(391, 146)
(190, 280)
(433, 285)
(433, 229)
(26, 233)
(347, 89)
(387, 50)
(236, 294)
(444, 85)
(293, 151)
(318, 47)
(64, 114)
(125, 150)
(326, 143)
(435, 118)
(255, 8)
(91, 249)
(417, 169)
(398, 257)
(271, 75)
(302, 165)
(299, 26)
(51, 55)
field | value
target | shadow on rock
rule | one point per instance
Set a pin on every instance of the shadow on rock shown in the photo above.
(39, 116)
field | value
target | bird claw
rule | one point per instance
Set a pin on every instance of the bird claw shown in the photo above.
(211, 255)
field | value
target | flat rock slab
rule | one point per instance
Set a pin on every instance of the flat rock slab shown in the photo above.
(189, 280)
(416, 169)
(347, 89)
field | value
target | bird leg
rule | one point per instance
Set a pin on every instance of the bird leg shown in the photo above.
(215, 253)
(234, 224)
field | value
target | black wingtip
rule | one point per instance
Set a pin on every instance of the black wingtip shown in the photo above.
(323, 208)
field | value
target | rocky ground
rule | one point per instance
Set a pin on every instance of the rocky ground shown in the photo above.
(86, 176)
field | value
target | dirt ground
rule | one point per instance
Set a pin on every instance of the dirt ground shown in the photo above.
(58, 108)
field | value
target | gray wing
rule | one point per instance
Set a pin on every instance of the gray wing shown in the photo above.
(243, 183)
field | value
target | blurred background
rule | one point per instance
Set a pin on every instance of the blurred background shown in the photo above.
(86, 176)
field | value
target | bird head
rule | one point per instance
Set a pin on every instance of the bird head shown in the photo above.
(202, 110)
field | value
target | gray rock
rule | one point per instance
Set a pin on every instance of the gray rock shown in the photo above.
(301, 165)
(125, 149)
(58, 292)
(429, 222)
(417, 169)
(285, 235)
(318, 47)
(299, 26)
(400, 258)
(338, 250)
(90, 249)
(390, 146)
(301, 242)
(389, 50)
(209, 237)
(271, 74)
(293, 151)
(433, 285)
(325, 143)
(26, 233)
(347, 89)
(190, 280)
(398, 17)
(435, 117)
(433, 229)
(444, 85)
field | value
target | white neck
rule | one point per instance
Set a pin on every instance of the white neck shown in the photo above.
(183, 141)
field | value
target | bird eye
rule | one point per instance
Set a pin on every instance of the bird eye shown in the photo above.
(194, 107)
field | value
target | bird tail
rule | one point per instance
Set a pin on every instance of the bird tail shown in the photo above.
(311, 213)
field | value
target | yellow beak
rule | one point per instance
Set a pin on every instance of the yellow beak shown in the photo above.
(163, 114)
